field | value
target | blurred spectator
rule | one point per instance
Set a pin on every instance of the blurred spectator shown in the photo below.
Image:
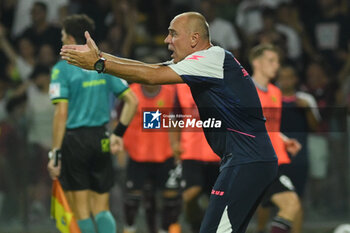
(299, 116)
(117, 24)
(106, 46)
(269, 35)
(222, 32)
(122, 27)
(227, 9)
(7, 10)
(39, 125)
(318, 82)
(56, 11)
(180, 6)
(279, 34)
(120, 40)
(41, 31)
(13, 160)
(99, 11)
(289, 14)
(39, 108)
(344, 79)
(47, 56)
(156, 13)
(115, 38)
(3, 91)
(249, 18)
(23, 60)
(330, 34)
(319, 85)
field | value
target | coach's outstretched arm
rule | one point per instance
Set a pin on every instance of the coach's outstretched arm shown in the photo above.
(131, 70)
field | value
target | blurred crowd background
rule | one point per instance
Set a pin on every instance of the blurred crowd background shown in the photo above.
(314, 39)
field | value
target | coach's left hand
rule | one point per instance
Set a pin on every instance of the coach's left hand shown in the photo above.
(83, 56)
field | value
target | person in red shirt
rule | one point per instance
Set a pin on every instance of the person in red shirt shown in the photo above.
(200, 165)
(265, 63)
(151, 163)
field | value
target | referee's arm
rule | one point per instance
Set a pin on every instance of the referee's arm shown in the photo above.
(59, 124)
(129, 108)
(59, 129)
(126, 115)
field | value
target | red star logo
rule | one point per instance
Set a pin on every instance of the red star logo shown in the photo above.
(194, 57)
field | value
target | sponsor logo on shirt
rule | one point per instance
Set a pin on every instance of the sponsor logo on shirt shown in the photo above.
(245, 73)
(274, 99)
(217, 193)
(194, 57)
(55, 90)
(93, 83)
(54, 74)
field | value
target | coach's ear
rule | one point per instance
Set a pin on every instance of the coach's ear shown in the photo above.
(195, 39)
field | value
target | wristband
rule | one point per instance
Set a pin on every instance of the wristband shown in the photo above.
(56, 155)
(120, 129)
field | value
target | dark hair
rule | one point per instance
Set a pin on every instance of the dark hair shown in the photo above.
(39, 69)
(76, 25)
(268, 13)
(259, 50)
(42, 5)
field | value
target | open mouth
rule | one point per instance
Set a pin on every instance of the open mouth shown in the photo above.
(172, 51)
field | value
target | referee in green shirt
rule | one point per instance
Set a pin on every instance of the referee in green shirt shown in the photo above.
(81, 99)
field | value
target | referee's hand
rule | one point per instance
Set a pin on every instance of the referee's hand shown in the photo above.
(116, 144)
(54, 171)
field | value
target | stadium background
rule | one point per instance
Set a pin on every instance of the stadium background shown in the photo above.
(313, 36)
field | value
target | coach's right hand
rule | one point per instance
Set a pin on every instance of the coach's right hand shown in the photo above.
(54, 171)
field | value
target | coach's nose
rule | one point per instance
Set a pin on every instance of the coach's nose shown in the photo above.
(167, 39)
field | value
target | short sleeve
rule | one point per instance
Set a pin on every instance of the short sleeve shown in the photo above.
(59, 90)
(204, 66)
(118, 86)
(312, 103)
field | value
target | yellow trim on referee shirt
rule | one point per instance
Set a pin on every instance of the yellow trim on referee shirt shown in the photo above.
(124, 93)
(55, 101)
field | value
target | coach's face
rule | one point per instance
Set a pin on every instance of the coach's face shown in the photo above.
(179, 38)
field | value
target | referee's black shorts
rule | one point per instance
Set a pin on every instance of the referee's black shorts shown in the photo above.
(86, 160)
